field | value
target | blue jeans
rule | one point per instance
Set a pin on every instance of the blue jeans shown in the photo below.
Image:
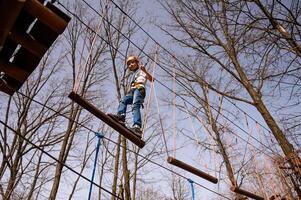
(136, 98)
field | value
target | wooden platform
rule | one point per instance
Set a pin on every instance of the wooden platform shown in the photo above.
(245, 193)
(106, 119)
(27, 30)
(191, 169)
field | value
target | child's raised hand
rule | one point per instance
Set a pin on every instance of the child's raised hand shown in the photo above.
(142, 67)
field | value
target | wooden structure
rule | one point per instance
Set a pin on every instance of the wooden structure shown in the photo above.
(106, 119)
(27, 29)
(245, 193)
(191, 169)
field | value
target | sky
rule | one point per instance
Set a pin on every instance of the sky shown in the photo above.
(151, 11)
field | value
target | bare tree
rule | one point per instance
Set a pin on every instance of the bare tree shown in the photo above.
(288, 18)
(223, 33)
(179, 189)
(33, 122)
(87, 76)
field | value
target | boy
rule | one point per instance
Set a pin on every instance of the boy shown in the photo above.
(135, 94)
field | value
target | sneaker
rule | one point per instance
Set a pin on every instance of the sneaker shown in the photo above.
(118, 117)
(137, 130)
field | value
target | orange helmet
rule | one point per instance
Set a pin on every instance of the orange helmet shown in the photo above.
(131, 58)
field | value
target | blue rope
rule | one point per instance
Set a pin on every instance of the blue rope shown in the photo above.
(192, 188)
(99, 136)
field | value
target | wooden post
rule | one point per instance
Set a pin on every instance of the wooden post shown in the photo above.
(191, 169)
(245, 193)
(9, 12)
(45, 15)
(106, 119)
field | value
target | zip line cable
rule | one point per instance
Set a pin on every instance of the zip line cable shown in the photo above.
(108, 139)
(58, 161)
(181, 62)
(169, 74)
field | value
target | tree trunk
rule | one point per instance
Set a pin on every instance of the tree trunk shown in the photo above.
(285, 145)
(219, 142)
(13, 173)
(135, 176)
(63, 153)
(116, 166)
(126, 172)
(36, 176)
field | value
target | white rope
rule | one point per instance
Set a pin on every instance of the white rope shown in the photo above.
(77, 78)
(174, 110)
(161, 123)
(150, 95)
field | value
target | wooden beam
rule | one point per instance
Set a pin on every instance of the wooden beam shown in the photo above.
(245, 193)
(106, 119)
(191, 169)
(45, 15)
(28, 43)
(9, 12)
(13, 71)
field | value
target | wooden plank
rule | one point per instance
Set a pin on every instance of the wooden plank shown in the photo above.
(29, 43)
(9, 12)
(106, 119)
(13, 71)
(245, 193)
(191, 169)
(45, 15)
(42, 33)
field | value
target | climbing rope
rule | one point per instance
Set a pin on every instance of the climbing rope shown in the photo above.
(174, 109)
(255, 163)
(161, 123)
(192, 188)
(99, 137)
(192, 125)
(151, 93)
